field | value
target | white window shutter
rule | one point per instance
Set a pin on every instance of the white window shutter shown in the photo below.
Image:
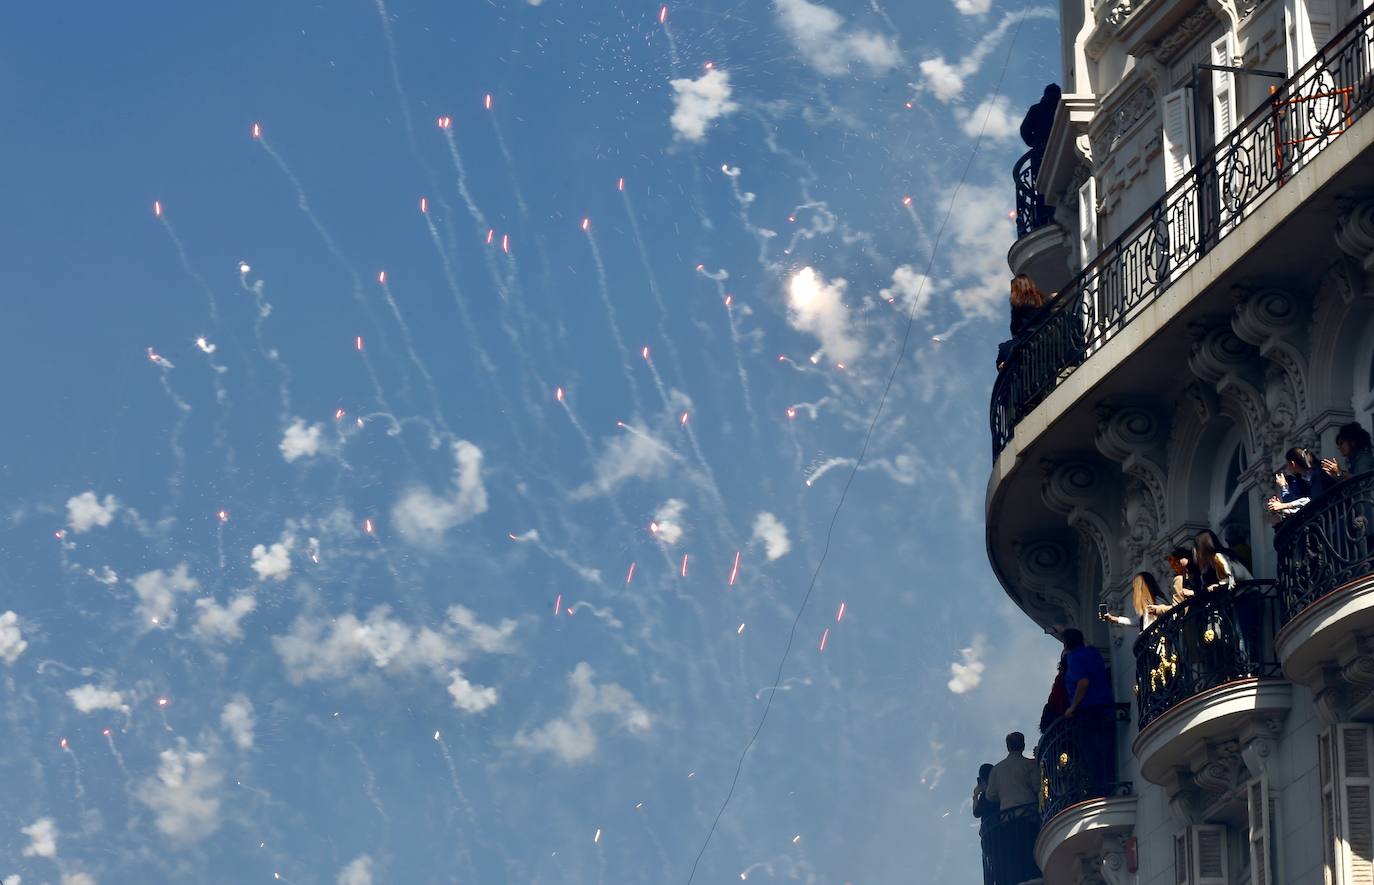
(1178, 136)
(1260, 810)
(1087, 221)
(1181, 854)
(1209, 856)
(1321, 21)
(1223, 89)
(1297, 34)
(1354, 745)
(1332, 855)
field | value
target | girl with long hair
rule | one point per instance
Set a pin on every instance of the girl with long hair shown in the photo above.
(1147, 600)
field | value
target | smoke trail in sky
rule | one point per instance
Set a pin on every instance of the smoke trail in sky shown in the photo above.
(653, 286)
(183, 408)
(611, 319)
(303, 203)
(415, 360)
(728, 301)
(160, 212)
(264, 310)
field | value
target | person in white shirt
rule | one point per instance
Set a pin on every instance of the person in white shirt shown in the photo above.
(1015, 780)
(1146, 599)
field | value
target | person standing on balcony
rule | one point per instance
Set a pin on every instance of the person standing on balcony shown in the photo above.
(1186, 580)
(1147, 600)
(1027, 300)
(1015, 780)
(1058, 701)
(1092, 704)
(1356, 448)
(1219, 566)
(1036, 125)
(986, 811)
(1299, 482)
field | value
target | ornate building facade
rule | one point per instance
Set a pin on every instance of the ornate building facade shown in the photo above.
(1204, 210)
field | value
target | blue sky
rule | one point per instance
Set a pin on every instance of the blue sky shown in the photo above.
(283, 542)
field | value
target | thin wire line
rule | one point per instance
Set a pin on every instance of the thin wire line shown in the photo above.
(882, 401)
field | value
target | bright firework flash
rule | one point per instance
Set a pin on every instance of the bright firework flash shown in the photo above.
(825, 467)
(162, 704)
(611, 318)
(264, 310)
(839, 615)
(684, 565)
(825, 637)
(922, 236)
(368, 527)
(453, 777)
(740, 630)
(630, 575)
(682, 420)
(668, 33)
(558, 605)
(734, 570)
(183, 414)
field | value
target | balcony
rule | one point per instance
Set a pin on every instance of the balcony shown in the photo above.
(1324, 100)
(1031, 211)
(1082, 800)
(1009, 847)
(1204, 671)
(1326, 585)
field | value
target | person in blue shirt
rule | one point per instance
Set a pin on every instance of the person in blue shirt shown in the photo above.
(1092, 704)
(1085, 675)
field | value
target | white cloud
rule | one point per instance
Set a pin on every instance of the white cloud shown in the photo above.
(770, 531)
(697, 103)
(980, 231)
(346, 647)
(909, 285)
(301, 440)
(85, 511)
(358, 871)
(832, 48)
(993, 117)
(215, 622)
(972, 7)
(967, 672)
(571, 737)
(945, 80)
(817, 307)
(12, 642)
(422, 516)
(157, 592)
(78, 879)
(667, 525)
(274, 562)
(89, 698)
(237, 719)
(12, 880)
(468, 697)
(182, 795)
(42, 835)
(631, 455)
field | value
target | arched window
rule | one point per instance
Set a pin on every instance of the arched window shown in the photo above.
(1231, 512)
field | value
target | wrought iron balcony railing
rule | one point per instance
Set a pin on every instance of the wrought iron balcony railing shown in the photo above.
(1209, 640)
(1009, 846)
(1304, 115)
(1327, 544)
(1031, 211)
(1078, 759)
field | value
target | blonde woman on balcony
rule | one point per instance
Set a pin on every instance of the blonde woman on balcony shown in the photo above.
(1219, 567)
(1146, 599)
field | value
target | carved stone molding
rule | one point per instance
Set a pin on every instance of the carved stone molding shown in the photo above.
(1185, 799)
(1219, 771)
(1089, 871)
(1113, 860)
(1355, 229)
(1184, 33)
(1139, 104)
(1046, 575)
(1260, 750)
(1134, 437)
(1227, 362)
(1069, 485)
(1275, 322)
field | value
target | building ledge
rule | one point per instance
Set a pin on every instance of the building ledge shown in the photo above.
(1166, 743)
(1079, 829)
(1313, 638)
(1043, 254)
(1061, 154)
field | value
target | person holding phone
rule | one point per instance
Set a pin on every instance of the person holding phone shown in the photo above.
(1147, 600)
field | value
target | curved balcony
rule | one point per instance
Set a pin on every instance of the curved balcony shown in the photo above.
(1031, 211)
(1309, 112)
(1081, 798)
(1009, 846)
(1326, 578)
(1204, 670)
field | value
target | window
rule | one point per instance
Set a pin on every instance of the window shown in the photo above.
(1346, 774)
